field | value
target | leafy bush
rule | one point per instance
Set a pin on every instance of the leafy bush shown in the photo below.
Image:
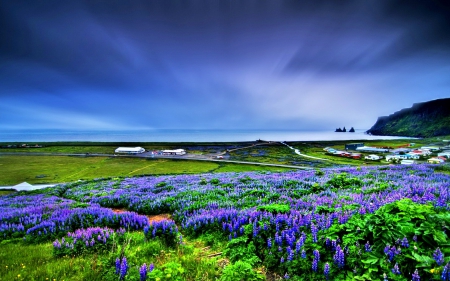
(240, 271)
(343, 181)
(275, 208)
(242, 249)
(171, 271)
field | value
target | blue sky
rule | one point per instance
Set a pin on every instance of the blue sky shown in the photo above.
(210, 64)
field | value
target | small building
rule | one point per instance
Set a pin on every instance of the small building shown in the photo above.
(130, 150)
(444, 154)
(353, 146)
(389, 158)
(413, 156)
(407, 162)
(174, 152)
(431, 148)
(356, 155)
(435, 161)
(400, 150)
(372, 157)
(372, 149)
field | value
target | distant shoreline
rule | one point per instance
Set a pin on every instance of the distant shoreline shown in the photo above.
(182, 136)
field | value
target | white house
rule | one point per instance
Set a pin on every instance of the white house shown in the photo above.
(130, 150)
(444, 154)
(390, 157)
(373, 157)
(371, 149)
(174, 152)
(413, 156)
(431, 148)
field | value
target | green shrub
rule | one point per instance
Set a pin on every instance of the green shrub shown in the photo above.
(171, 271)
(240, 271)
(275, 208)
(214, 181)
(241, 249)
(343, 181)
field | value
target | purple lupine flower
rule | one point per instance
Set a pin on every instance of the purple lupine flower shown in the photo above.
(327, 243)
(385, 277)
(415, 276)
(290, 253)
(123, 268)
(56, 244)
(368, 247)
(415, 238)
(326, 270)
(438, 256)
(316, 260)
(269, 243)
(445, 276)
(333, 245)
(143, 272)
(387, 249)
(303, 254)
(255, 231)
(314, 231)
(405, 242)
(282, 260)
(286, 276)
(339, 257)
(392, 252)
(396, 270)
(151, 267)
(117, 266)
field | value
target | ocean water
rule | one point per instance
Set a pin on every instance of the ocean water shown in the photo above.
(33, 136)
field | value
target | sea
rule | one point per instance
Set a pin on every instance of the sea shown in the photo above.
(184, 135)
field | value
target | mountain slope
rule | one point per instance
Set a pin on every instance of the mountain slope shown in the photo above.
(425, 119)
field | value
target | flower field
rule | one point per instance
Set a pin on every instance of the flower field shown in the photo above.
(366, 223)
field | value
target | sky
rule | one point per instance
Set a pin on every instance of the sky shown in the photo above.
(219, 64)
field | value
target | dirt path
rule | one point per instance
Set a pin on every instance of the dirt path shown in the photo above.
(151, 218)
(304, 155)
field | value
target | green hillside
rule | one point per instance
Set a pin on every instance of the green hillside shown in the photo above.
(428, 119)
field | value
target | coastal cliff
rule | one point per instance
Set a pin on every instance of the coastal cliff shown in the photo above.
(427, 119)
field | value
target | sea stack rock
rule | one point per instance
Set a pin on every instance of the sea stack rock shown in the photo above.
(352, 130)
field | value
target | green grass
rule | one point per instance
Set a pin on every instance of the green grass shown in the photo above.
(58, 169)
(19, 261)
(35, 262)
(6, 192)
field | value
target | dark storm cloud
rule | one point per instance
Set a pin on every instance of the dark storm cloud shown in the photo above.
(216, 64)
(371, 36)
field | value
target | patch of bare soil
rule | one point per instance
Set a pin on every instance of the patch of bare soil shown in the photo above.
(151, 219)
(159, 217)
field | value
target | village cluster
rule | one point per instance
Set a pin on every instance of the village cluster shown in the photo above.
(404, 154)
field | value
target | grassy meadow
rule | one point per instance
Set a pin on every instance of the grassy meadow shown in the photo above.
(58, 169)
(354, 223)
